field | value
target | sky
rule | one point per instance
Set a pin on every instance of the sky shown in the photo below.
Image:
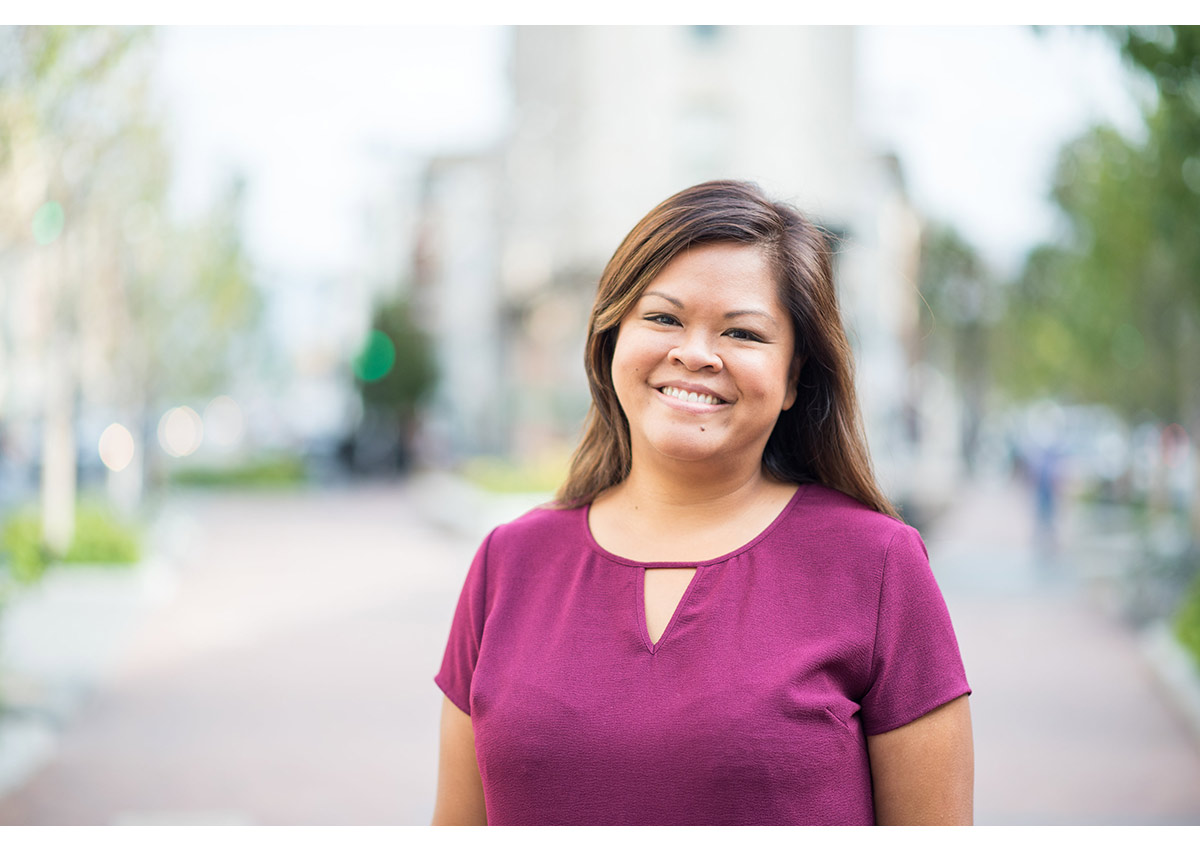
(313, 114)
(979, 114)
(976, 114)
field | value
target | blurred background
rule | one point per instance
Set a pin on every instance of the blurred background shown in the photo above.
(290, 317)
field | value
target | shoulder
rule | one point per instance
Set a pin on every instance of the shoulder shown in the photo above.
(523, 564)
(854, 559)
(840, 541)
(538, 530)
(836, 517)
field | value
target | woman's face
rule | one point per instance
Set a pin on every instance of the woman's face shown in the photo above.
(703, 363)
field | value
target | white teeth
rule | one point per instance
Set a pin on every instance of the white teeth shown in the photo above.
(691, 397)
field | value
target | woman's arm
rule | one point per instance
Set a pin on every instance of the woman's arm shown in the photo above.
(459, 789)
(924, 772)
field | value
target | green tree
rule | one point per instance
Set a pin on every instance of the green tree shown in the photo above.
(1171, 57)
(199, 313)
(71, 99)
(962, 304)
(137, 310)
(1112, 312)
(395, 372)
(1094, 318)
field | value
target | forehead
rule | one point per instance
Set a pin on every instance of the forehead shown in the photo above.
(719, 271)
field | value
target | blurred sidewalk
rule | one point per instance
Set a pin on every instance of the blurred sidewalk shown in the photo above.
(1072, 726)
(288, 679)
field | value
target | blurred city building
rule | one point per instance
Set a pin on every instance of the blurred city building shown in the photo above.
(498, 250)
(607, 122)
(455, 294)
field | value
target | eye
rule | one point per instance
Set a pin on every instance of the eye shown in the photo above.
(662, 319)
(743, 334)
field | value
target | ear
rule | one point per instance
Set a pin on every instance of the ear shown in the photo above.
(793, 380)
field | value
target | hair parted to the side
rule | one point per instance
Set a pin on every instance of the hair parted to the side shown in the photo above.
(821, 437)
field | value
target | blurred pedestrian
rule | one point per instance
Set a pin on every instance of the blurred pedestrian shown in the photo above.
(721, 619)
(1047, 471)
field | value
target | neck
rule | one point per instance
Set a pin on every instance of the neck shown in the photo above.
(697, 492)
(687, 515)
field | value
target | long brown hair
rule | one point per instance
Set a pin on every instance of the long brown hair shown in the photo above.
(820, 438)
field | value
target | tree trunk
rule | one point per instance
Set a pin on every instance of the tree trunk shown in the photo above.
(58, 420)
(58, 468)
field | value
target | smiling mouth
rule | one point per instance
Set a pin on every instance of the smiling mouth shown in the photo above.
(685, 396)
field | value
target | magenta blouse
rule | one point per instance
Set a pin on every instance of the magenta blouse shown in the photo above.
(752, 708)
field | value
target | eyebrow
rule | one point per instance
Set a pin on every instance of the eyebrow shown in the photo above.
(733, 314)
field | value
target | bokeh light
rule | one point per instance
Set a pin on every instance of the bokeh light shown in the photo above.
(48, 222)
(376, 358)
(224, 423)
(116, 447)
(180, 431)
(1191, 173)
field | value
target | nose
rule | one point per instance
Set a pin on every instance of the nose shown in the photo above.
(696, 352)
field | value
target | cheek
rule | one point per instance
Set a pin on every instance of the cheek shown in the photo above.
(631, 357)
(626, 368)
(785, 386)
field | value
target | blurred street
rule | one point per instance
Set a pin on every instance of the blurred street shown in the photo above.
(288, 679)
(1071, 726)
(288, 682)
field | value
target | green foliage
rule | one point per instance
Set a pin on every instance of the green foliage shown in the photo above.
(102, 539)
(198, 316)
(952, 278)
(1187, 621)
(1111, 314)
(962, 304)
(21, 542)
(81, 131)
(1168, 54)
(960, 301)
(55, 72)
(99, 539)
(278, 472)
(403, 385)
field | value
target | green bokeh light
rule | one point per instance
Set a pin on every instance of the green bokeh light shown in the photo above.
(1191, 173)
(376, 358)
(48, 222)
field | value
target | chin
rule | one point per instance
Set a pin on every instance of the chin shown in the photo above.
(703, 452)
(688, 450)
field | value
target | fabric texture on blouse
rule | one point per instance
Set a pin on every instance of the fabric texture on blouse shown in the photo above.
(752, 708)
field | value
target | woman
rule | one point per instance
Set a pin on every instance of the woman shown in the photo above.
(721, 620)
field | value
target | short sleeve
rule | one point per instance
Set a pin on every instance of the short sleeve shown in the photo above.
(916, 665)
(466, 634)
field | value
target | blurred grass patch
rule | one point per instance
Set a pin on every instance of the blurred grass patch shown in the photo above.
(504, 475)
(277, 471)
(1187, 621)
(100, 538)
